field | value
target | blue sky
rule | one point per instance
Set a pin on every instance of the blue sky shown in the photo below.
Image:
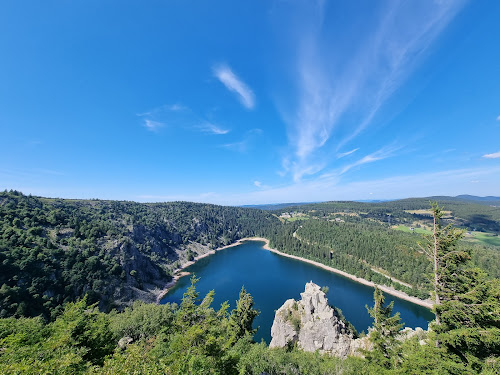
(244, 102)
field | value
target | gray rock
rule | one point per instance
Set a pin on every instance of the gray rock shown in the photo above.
(125, 341)
(312, 324)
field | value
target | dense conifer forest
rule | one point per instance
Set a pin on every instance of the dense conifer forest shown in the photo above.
(73, 274)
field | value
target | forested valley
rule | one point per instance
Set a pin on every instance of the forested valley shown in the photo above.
(77, 275)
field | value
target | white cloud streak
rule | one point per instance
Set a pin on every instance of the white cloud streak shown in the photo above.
(337, 102)
(241, 146)
(152, 125)
(178, 116)
(234, 84)
(260, 185)
(342, 154)
(375, 156)
(495, 155)
(213, 129)
(245, 144)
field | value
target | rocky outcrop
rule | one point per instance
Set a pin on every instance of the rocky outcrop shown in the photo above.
(312, 324)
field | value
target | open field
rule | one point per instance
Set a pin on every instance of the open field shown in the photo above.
(485, 238)
(404, 228)
(295, 218)
(447, 214)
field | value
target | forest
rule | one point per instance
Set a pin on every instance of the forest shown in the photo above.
(73, 274)
(53, 251)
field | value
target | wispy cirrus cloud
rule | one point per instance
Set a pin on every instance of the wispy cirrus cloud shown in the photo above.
(494, 155)
(212, 129)
(335, 101)
(234, 84)
(381, 154)
(246, 143)
(260, 185)
(178, 116)
(167, 114)
(152, 125)
(347, 153)
(163, 108)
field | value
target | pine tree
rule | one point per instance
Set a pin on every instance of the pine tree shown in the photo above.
(386, 347)
(446, 259)
(241, 318)
(467, 303)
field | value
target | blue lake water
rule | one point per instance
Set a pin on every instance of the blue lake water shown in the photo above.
(272, 279)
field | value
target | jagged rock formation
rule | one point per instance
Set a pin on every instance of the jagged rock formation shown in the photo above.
(312, 324)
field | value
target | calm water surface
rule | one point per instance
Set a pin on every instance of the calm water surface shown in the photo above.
(272, 279)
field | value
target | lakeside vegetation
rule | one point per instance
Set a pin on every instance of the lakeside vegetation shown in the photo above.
(195, 338)
(66, 264)
(53, 251)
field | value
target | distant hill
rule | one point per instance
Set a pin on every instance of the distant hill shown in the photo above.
(373, 200)
(275, 206)
(486, 200)
(473, 213)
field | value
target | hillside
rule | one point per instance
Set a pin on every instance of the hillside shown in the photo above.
(53, 250)
(64, 262)
(380, 241)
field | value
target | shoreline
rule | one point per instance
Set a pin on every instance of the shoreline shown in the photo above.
(178, 273)
(385, 288)
(389, 290)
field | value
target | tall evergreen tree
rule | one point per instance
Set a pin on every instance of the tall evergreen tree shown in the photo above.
(446, 258)
(386, 347)
(467, 303)
(242, 317)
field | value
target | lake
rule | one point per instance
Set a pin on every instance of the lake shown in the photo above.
(272, 279)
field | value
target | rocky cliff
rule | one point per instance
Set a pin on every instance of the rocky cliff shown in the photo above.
(312, 324)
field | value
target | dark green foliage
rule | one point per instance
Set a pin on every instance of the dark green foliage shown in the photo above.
(259, 359)
(242, 317)
(84, 327)
(143, 320)
(470, 320)
(386, 327)
(78, 339)
(194, 338)
(356, 247)
(467, 304)
(359, 239)
(53, 251)
(473, 215)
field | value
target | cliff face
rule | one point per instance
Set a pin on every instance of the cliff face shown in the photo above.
(312, 324)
